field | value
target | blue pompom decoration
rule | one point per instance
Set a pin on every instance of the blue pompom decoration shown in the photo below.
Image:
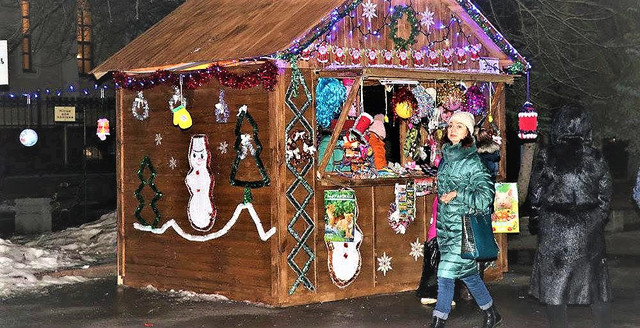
(330, 95)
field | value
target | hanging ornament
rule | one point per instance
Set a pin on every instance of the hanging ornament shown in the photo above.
(450, 96)
(181, 116)
(103, 129)
(222, 110)
(461, 56)
(475, 101)
(434, 58)
(28, 137)
(140, 102)
(447, 56)
(426, 104)
(474, 50)
(404, 103)
(528, 118)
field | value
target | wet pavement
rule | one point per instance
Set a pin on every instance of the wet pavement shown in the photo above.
(100, 303)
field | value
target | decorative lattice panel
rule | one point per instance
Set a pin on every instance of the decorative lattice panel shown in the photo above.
(300, 171)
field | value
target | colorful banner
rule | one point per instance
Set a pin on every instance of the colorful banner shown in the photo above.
(340, 213)
(505, 205)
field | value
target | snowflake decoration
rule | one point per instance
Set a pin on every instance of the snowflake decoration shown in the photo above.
(426, 19)
(384, 263)
(223, 147)
(173, 163)
(369, 11)
(417, 249)
(158, 139)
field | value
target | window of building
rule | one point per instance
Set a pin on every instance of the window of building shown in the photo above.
(83, 37)
(26, 37)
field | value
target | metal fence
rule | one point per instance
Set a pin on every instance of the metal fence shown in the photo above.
(39, 112)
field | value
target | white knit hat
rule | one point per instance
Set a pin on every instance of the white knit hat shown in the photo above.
(465, 118)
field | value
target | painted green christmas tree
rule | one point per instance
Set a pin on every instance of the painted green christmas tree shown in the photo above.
(146, 163)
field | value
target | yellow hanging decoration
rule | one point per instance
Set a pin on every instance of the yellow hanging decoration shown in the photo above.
(404, 110)
(181, 117)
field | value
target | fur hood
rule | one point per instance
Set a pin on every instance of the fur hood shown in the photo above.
(488, 147)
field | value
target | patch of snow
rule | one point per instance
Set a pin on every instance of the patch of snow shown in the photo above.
(23, 259)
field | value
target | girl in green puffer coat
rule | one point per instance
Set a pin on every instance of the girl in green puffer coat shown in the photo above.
(464, 185)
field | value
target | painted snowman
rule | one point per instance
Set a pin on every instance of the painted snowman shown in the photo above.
(345, 260)
(201, 211)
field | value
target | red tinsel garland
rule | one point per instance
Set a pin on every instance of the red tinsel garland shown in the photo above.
(266, 75)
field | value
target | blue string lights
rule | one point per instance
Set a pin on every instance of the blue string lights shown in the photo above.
(69, 89)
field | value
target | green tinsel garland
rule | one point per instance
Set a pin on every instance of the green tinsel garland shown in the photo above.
(398, 12)
(234, 167)
(146, 162)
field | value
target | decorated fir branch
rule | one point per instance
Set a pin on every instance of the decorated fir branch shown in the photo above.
(398, 13)
(146, 162)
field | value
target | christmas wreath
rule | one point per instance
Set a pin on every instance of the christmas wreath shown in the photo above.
(398, 12)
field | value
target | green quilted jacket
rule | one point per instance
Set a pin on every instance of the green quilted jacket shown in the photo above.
(464, 172)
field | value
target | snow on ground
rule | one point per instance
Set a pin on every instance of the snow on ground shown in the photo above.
(24, 259)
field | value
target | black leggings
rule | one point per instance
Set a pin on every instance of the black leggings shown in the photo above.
(601, 312)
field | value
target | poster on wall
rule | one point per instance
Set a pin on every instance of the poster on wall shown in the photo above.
(505, 205)
(339, 215)
(4, 63)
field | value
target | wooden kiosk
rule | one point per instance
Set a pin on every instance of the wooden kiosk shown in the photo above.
(266, 242)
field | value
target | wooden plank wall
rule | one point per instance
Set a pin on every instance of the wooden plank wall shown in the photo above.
(238, 264)
(341, 36)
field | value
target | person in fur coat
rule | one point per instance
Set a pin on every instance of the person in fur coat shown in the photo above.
(570, 192)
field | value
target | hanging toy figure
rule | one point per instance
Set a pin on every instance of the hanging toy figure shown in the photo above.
(181, 116)
(377, 134)
(222, 110)
(103, 129)
(200, 183)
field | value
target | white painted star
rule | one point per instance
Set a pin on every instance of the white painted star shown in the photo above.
(417, 249)
(173, 163)
(384, 263)
(369, 10)
(158, 139)
(223, 147)
(426, 19)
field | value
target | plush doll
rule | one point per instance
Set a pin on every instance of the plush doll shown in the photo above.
(377, 134)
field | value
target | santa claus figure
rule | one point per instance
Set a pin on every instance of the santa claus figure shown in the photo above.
(447, 57)
(403, 58)
(355, 56)
(372, 57)
(323, 53)
(339, 55)
(387, 56)
(461, 56)
(418, 58)
(474, 51)
(434, 59)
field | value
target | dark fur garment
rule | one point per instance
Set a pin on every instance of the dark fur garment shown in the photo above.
(570, 192)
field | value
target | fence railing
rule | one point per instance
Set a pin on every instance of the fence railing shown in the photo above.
(39, 112)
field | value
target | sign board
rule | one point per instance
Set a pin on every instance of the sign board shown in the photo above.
(4, 63)
(505, 207)
(489, 65)
(64, 114)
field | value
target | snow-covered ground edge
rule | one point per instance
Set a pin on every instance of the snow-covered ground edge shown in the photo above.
(24, 259)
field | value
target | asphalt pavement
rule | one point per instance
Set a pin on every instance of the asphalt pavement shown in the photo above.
(101, 303)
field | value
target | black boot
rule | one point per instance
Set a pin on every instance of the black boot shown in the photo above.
(491, 318)
(437, 323)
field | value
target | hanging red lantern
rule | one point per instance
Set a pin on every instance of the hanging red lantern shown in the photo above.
(103, 129)
(528, 118)
(528, 122)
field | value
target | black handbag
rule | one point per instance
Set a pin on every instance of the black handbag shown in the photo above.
(429, 281)
(478, 242)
